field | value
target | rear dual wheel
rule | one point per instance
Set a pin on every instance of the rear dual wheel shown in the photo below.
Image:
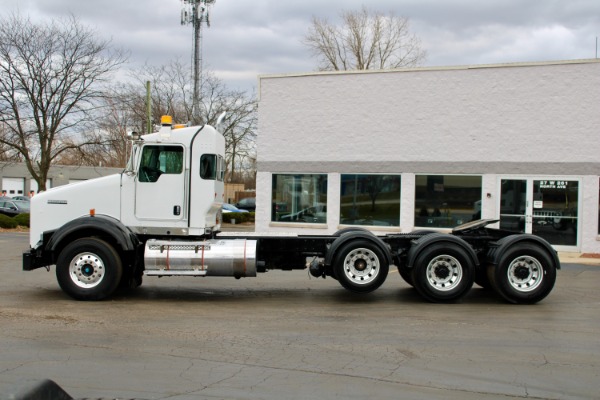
(361, 266)
(443, 272)
(405, 272)
(525, 274)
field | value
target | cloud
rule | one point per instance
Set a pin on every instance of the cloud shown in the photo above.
(247, 38)
(502, 44)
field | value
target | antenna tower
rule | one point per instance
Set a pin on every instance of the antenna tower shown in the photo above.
(195, 13)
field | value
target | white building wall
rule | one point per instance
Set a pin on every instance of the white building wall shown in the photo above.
(590, 240)
(407, 207)
(537, 119)
(519, 114)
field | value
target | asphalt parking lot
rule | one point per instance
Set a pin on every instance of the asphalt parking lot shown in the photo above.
(283, 335)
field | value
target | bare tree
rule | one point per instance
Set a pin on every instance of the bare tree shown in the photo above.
(124, 109)
(51, 77)
(171, 86)
(364, 40)
(239, 128)
(108, 143)
(7, 154)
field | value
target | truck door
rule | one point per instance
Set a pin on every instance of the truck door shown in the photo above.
(160, 184)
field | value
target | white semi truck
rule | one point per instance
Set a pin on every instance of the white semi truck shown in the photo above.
(162, 217)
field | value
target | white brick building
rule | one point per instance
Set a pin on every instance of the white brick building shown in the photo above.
(432, 148)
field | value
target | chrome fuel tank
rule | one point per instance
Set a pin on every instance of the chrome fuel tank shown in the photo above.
(233, 257)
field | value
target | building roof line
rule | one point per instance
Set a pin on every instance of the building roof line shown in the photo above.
(433, 68)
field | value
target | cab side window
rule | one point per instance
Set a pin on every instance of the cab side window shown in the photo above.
(212, 167)
(208, 166)
(221, 170)
(158, 160)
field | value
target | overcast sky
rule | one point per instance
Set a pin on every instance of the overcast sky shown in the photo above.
(252, 37)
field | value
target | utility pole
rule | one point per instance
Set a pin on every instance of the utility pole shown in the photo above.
(195, 12)
(148, 108)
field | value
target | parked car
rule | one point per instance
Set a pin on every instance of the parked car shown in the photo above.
(13, 207)
(24, 198)
(227, 208)
(249, 203)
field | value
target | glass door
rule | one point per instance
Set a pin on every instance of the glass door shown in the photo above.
(513, 205)
(548, 208)
(556, 210)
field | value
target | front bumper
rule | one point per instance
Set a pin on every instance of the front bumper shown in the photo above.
(33, 259)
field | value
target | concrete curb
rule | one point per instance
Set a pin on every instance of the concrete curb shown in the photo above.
(579, 258)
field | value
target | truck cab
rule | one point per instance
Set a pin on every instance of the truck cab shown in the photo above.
(172, 186)
(174, 183)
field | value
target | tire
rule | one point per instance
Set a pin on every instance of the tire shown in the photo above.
(406, 274)
(481, 278)
(443, 272)
(89, 269)
(360, 266)
(525, 274)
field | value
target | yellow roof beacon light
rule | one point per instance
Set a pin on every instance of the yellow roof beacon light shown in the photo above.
(166, 120)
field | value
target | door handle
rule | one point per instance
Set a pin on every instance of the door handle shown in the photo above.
(176, 210)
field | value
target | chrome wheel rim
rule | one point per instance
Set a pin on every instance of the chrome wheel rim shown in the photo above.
(525, 274)
(361, 266)
(86, 270)
(444, 273)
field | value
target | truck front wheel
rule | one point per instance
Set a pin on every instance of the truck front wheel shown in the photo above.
(89, 269)
(360, 266)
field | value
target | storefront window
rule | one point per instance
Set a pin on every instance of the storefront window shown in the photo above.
(446, 201)
(370, 200)
(299, 198)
